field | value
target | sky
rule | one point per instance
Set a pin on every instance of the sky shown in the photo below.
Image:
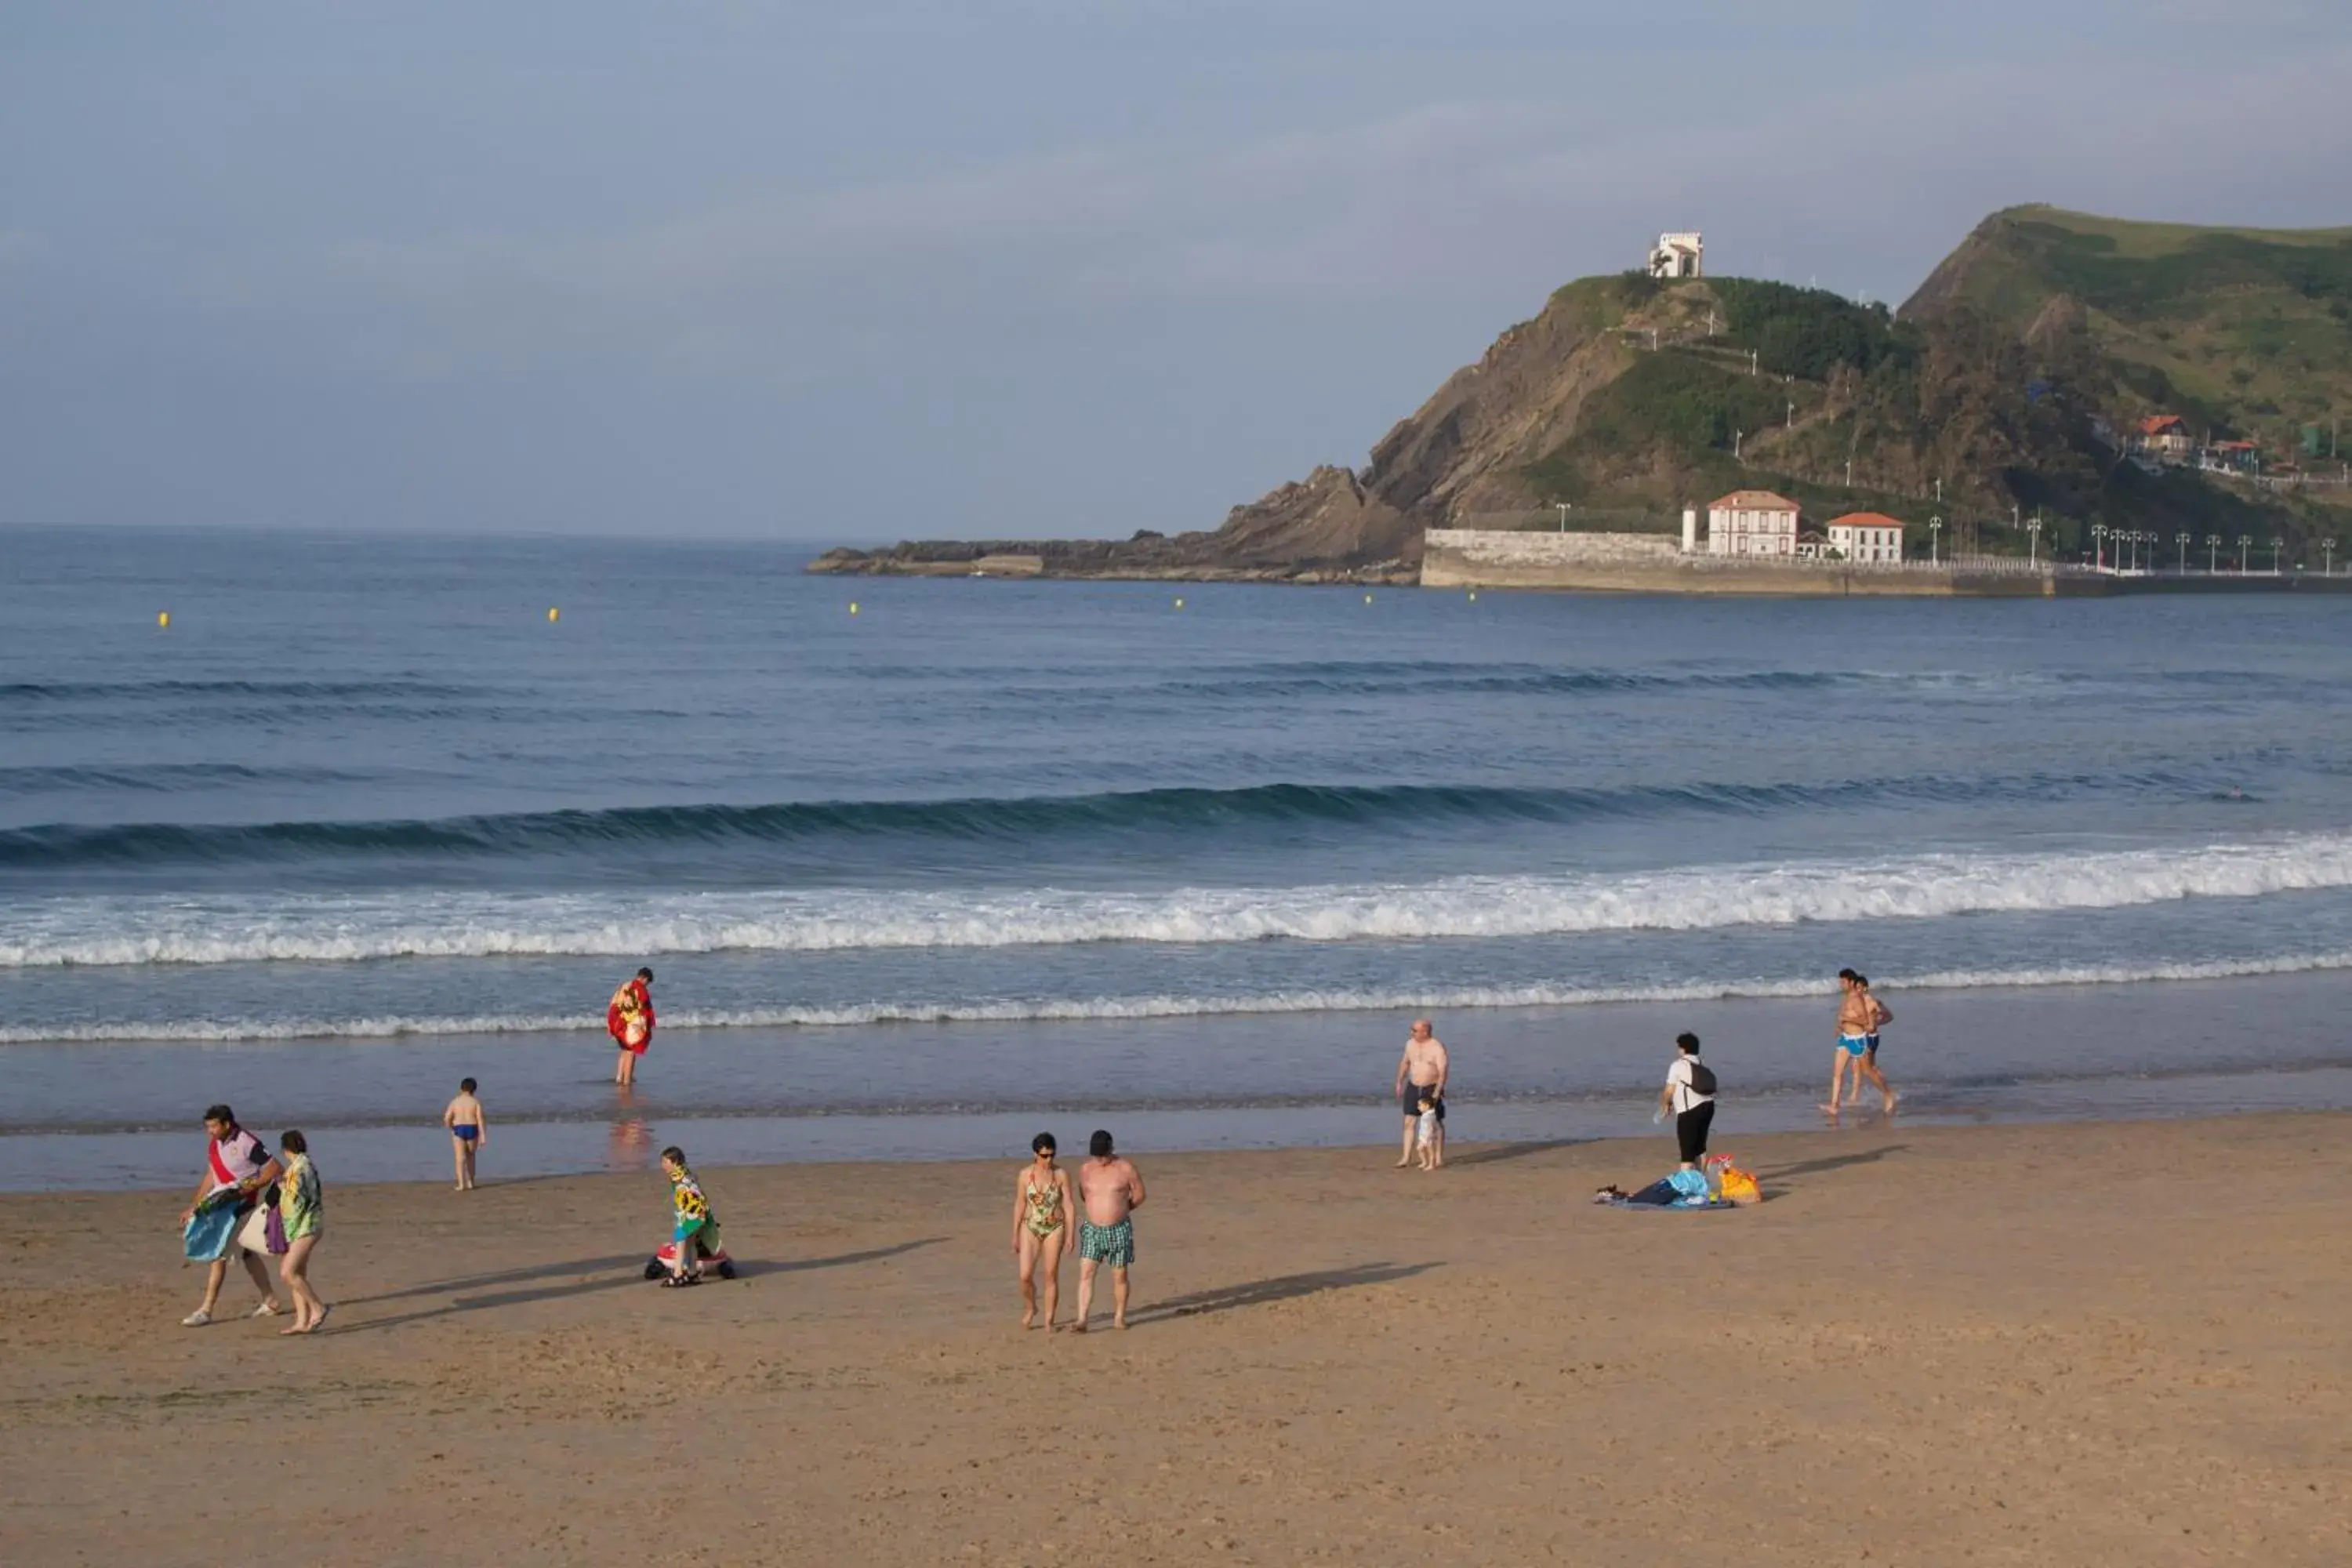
(845, 273)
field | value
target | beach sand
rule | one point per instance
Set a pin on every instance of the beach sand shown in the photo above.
(2038, 1344)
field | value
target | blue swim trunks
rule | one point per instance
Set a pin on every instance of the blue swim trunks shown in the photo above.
(1853, 1044)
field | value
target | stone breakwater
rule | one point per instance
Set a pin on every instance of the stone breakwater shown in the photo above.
(1655, 564)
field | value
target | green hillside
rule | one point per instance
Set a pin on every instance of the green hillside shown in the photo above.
(1992, 395)
(2246, 330)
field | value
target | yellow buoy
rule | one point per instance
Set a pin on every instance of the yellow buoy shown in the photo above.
(853, 606)
(552, 615)
(1180, 601)
(163, 620)
(1368, 598)
(1474, 596)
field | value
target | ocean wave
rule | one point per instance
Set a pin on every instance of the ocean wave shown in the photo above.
(1009, 819)
(29, 692)
(1073, 1009)
(121, 930)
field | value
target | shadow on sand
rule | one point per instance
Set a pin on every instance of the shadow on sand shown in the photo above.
(635, 1276)
(1284, 1287)
(747, 1271)
(1495, 1154)
(1830, 1162)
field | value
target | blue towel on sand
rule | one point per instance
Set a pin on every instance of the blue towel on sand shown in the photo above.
(213, 1231)
(1684, 1190)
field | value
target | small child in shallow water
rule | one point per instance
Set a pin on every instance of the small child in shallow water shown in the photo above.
(469, 1129)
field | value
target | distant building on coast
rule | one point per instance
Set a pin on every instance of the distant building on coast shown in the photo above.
(2165, 435)
(1678, 256)
(1751, 522)
(1867, 536)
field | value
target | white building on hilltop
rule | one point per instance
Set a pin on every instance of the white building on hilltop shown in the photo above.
(1678, 256)
(1751, 522)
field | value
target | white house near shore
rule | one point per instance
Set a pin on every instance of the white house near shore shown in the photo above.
(1867, 536)
(1751, 522)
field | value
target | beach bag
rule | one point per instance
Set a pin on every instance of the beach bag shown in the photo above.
(254, 1234)
(1702, 1078)
(1737, 1185)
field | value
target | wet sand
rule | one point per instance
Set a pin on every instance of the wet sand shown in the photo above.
(2021, 1344)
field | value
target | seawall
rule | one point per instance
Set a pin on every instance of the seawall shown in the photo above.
(1654, 564)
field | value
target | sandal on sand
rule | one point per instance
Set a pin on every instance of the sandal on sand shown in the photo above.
(680, 1281)
(266, 1309)
(196, 1320)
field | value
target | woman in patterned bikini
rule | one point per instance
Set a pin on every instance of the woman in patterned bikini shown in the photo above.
(1042, 1205)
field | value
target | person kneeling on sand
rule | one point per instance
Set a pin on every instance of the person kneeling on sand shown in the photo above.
(695, 1234)
(1111, 1191)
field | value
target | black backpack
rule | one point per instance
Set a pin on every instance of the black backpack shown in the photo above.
(1702, 1078)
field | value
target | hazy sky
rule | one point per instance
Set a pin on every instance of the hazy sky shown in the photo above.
(855, 271)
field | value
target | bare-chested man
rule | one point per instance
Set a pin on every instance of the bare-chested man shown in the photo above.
(1110, 1192)
(1859, 1015)
(1422, 1069)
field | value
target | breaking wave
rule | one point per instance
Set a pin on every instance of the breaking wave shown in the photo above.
(119, 930)
(1106, 1008)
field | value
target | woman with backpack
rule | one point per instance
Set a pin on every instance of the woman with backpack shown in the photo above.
(1690, 1097)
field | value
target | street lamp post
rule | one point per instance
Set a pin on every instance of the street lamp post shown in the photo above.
(2099, 545)
(2243, 540)
(1563, 508)
(1935, 535)
(2275, 543)
(1737, 437)
(2033, 542)
(2327, 558)
(2212, 552)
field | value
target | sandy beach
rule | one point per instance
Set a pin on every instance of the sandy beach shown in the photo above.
(2039, 1344)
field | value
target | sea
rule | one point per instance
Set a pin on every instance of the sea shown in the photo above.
(923, 866)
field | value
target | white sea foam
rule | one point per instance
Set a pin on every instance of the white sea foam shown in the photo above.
(1107, 1008)
(105, 931)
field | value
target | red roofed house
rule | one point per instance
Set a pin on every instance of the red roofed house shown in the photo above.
(1867, 536)
(2166, 434)
(1751, 522)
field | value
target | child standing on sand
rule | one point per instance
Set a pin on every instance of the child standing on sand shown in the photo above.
(695, 1234)
(469, 1129)
(1424, 1134)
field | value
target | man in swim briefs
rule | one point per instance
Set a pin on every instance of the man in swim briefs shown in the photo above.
(1110, 1192)
(1421, 1070)
(1867, 1068)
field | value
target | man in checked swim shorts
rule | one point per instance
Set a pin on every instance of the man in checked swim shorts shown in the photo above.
(1110, 1192)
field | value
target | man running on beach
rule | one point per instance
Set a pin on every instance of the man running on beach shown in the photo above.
(1110, 1192)
(1421, 1070)
(1859, 1015)
(629, 1020)
(1868, 1067)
